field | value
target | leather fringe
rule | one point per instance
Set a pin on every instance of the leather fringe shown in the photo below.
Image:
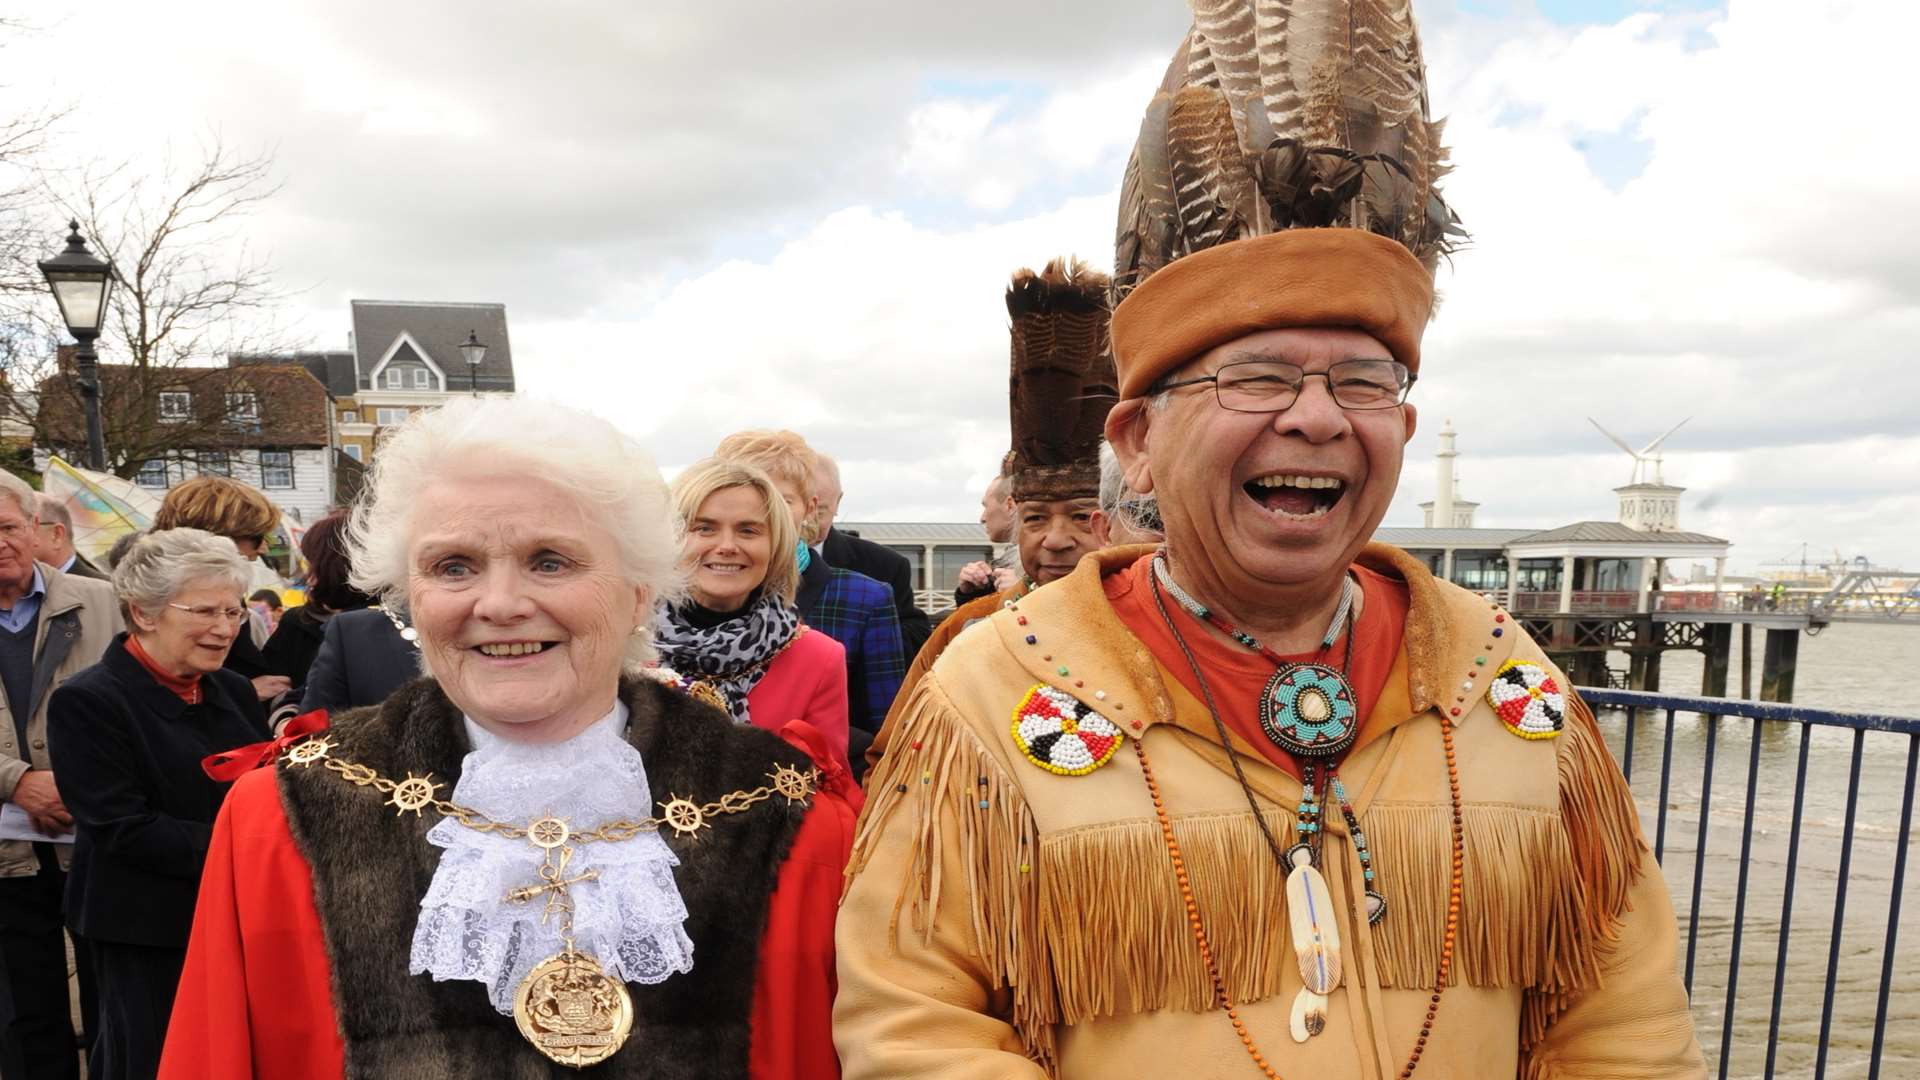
(939, 784)
(1098, 927)
(1607, 848)
(1116, 926)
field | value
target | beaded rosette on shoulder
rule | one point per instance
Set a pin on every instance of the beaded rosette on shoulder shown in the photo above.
(1057, 732)
(1527, 700)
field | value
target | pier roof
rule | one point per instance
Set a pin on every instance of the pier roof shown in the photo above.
(1612, 532)
(919, 532)
(1490, 539)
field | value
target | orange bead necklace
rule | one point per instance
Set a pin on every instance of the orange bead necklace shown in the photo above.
(1445, 969)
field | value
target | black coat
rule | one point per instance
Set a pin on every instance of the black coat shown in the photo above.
(129, 751)
(880, 563)
(83, 568)
(362, 661)
(244, 659)
(294, 644)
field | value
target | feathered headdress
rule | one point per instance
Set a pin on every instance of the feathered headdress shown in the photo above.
(1277, 114)
(1062, 382)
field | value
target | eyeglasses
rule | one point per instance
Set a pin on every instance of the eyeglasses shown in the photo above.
(1271, 386)
(209, 614)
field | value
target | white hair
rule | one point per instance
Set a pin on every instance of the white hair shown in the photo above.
(1120, 502)
(162, 564)
(611, 476)
(24, 497)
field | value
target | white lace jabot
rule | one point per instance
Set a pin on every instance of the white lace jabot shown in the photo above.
(629, 919)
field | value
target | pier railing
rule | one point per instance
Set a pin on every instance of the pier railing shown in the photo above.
(1856, 942)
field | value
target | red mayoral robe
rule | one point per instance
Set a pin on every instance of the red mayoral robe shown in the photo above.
(256, 1000)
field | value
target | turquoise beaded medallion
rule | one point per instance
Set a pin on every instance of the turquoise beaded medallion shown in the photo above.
(1308, 710)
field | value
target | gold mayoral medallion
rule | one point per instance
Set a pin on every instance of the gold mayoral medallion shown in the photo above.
(567, 1007)
(572, 1011)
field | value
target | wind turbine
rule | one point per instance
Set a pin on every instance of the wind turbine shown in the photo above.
(1646, 455)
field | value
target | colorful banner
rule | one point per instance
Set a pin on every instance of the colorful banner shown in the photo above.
(104, 507)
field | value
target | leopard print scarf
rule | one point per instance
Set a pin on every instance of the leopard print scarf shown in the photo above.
(733, 656)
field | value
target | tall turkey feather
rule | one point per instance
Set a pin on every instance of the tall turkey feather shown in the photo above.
(1327, 100)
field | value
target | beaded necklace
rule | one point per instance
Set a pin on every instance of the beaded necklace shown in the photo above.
(1308, 710)
(1316, 938)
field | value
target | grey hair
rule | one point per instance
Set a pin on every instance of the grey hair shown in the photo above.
(24, 497)
(162, 564)
(1120, 502)
(612, 477)
(53, 508)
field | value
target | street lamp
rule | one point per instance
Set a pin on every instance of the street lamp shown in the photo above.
(475, 352)
(81, 284)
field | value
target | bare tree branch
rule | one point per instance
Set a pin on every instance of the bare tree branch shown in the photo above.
(188, 292)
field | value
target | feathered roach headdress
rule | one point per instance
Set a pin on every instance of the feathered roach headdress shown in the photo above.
(1062, 381)
(1278, 115)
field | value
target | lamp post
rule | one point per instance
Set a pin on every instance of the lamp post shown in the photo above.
(81, 284)
(475, 352)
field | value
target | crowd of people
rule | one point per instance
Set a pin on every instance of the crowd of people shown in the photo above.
(559, 766)
(133, 677)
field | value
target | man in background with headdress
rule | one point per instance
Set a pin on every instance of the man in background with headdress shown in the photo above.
(1270, 800)
(1059, 391)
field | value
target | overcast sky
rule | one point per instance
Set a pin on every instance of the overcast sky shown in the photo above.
(707, 216)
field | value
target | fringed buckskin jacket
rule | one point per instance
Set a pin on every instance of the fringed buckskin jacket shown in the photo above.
(1003, 921)
(297, 968)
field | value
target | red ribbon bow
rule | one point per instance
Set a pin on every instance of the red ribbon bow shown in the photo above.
(230, 765)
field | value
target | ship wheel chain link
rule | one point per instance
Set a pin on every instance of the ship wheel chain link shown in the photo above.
(685, 817)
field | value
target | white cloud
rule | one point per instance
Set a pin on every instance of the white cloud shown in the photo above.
(991, 152)
(811, 225)
(884, 342)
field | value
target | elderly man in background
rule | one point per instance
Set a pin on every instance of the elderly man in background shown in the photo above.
(51, 626)
(984, 578)
(1273, 800)
(54, 540)
(863, 556)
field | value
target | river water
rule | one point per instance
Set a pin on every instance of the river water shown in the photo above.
(1861, 667)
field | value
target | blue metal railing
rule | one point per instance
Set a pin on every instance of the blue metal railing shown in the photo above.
(1712, 712)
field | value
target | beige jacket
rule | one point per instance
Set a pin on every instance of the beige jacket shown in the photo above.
(78, 618)
(1002, 921)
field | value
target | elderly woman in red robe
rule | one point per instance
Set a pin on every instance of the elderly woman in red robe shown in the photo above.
(542, 856)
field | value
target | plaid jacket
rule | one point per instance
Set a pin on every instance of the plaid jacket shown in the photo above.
(858, 612)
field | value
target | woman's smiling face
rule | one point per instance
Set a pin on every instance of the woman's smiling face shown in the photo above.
(521, 604)
(727, 548)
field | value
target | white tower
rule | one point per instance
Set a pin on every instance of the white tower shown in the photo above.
(1447, 510)
(1647, 503)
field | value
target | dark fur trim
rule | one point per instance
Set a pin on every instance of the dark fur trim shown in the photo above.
(370, 870)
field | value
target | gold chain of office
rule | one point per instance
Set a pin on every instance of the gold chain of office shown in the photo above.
(684, 816)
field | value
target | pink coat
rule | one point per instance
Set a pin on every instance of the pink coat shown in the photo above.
(806, 682)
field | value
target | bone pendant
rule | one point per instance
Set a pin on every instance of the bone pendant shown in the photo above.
(1309, 1016)
(1316, 933)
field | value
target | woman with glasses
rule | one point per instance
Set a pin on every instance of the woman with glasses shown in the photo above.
(244, 515)
(130, 733)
